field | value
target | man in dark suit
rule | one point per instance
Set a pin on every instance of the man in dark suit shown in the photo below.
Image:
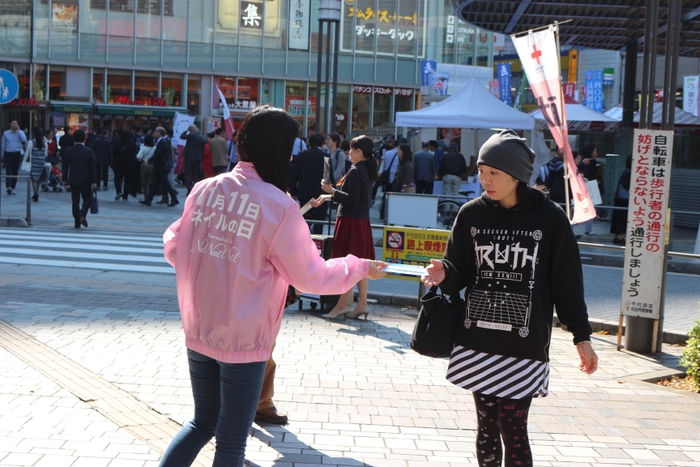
(194, 152)
(305, 179)
(161, 160)
(79, 173)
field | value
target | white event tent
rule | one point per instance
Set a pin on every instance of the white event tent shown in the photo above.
(472, 107)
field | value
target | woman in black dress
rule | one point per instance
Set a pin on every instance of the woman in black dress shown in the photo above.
(353, 233)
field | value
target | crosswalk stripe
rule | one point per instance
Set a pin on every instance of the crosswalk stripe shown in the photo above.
(84, 251)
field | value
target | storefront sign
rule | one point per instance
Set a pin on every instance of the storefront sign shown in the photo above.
(382, 91)
(385, 28)
(428, 67)
(299, 18)
(403, 92)
(25, 102)
(403, 245)
(250, 17)
(298, 107)
(594, 90)
(647, 223)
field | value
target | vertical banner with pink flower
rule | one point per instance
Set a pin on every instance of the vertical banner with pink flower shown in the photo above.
(539, 55)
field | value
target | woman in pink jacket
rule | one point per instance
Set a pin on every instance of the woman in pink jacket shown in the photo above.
(239, 243)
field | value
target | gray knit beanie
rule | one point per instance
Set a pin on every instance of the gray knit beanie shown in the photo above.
(510, 153)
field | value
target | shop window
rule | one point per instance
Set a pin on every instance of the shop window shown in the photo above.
(99, 93)
(171, 90)
(194, 95)
(39, 82)
(118, 88)
(297, 105)
(149, 7)
(146, 90)
(361, 108)
(241, 94)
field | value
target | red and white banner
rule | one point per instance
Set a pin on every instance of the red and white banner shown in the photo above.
(539, 55)
(228, 123)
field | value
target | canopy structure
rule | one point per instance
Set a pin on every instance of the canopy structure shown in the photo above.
(472, 107)
(581, 118)
(683, 118)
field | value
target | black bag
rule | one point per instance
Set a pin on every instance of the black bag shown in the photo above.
(434, 331)
(94, 207)
(384, 177)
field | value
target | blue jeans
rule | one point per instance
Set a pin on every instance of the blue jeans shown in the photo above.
(225, 400)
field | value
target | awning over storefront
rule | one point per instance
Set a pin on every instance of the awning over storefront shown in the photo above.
(139, 110)
(72, 107)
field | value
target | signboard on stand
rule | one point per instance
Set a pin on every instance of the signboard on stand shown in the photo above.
(416, 247)
(647, 224)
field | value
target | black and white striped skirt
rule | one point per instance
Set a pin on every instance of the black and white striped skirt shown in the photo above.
(496, 375)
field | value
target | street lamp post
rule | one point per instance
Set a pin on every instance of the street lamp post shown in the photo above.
(329, 14)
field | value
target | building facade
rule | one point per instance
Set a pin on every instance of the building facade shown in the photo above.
(109, 63)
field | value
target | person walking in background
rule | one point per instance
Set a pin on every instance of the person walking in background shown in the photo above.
(404, 182)
(452, 166)
(207, 170)
(514, 253)
(232, 303)
(38, 151)
(219, 152)
(618, 224)
(124, 161)
(51, 146)
(337, 157)
(193, 154)
(13, 142)
(591, 171)
(102, 147)
(146, 152)
(305, 180)
(79, 173)
(66, 141)
(437, 153)
(161, 160)
(353, 233)
(424, 170)
(551, 176)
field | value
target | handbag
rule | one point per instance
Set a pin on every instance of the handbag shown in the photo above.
(26, 162)
(436, 326)
(384, 177)
(594, 192)
(94, 206)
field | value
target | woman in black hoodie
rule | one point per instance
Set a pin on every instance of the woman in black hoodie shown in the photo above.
(514, 252)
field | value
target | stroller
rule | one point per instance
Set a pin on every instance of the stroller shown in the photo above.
(54, 180)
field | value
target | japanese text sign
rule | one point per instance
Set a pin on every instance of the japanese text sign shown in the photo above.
(416, 247)
(647, 223)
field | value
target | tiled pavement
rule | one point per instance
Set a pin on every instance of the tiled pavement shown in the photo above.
(94, 374)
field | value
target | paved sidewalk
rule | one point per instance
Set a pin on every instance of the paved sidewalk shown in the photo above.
(94, 374)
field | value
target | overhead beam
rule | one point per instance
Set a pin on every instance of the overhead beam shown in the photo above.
(515, 19)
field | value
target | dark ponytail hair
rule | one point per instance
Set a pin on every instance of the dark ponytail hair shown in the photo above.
(366, 145)
(38, 138)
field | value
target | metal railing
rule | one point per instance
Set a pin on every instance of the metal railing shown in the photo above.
(28, 212)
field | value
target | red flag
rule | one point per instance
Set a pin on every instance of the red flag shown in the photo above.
(539, 55)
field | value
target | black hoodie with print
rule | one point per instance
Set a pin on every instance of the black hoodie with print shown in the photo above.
(517, 264)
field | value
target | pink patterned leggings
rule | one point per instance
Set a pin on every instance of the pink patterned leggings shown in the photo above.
(505, 419)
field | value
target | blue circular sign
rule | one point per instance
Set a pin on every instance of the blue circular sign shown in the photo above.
(9, 86)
